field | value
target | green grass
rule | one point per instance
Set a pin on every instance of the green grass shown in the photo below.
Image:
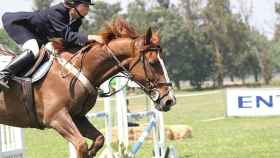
(226, 138)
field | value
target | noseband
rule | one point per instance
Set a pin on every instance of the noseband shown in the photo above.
(151, 88)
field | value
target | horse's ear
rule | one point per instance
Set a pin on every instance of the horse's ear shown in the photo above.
(158, 31)
(149, 35)
(155, 38)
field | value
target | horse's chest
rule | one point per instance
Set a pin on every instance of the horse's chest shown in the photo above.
(83, 104)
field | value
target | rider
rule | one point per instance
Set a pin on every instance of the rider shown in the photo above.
(33, 29)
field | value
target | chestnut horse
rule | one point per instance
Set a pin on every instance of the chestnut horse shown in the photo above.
(62, 104)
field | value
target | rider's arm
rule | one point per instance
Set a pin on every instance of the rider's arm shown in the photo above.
(65, 31)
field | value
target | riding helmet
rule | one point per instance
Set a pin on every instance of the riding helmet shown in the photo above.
(74, 2)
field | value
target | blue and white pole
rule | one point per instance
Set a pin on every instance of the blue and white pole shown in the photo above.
(141, 139)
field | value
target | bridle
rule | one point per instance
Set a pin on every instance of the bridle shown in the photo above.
(151, 89)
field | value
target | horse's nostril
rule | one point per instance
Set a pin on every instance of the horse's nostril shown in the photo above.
(169, 103)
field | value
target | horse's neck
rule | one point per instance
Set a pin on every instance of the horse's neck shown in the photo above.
(122, 50)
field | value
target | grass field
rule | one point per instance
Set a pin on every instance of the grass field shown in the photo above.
(222, 138)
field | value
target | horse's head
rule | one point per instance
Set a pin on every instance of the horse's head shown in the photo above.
(141, 58)
(148, 70)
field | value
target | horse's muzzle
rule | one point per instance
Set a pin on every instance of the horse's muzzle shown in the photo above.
(166, 103)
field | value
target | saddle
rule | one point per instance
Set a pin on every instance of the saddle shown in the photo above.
(36, 72)
(23, 82)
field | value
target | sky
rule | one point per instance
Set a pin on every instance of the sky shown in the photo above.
(263, 15)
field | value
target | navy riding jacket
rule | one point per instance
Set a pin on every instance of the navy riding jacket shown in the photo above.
(43, 25)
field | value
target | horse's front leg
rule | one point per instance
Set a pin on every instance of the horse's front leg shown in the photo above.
(64, 125)
(89, 131)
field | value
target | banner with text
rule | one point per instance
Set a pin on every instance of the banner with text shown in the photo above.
(253, 102)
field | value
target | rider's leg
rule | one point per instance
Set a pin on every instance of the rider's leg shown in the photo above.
(21, 62)
(32, 45)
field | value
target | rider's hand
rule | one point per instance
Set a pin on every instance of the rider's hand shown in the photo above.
(96, 38)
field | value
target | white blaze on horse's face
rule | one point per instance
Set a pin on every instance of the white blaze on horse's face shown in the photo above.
(164, 70)
(171, 93)
(170, 99)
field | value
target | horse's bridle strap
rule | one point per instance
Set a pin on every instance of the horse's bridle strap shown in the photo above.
(131, 77)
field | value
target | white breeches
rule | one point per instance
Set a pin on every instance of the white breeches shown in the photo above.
(32, 45)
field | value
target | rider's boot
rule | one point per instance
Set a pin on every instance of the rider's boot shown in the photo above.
(22, 62)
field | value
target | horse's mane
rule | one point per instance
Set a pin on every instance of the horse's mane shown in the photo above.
(119, 28)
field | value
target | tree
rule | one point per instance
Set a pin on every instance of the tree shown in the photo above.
(274, 51)
(201, 57)
(201, 64)
(247, 43)
(277, 27)
(265, 66)
(7, 41)
(217, 18)
(260, 45)
(238, 47)
(101, 13)
(191, 11)
(229, 37)
(39, 4)
(174, 37)
(164, 3)
(138, 15)
(187, 55)
(274, 55)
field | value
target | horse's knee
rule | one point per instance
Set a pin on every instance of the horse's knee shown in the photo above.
(82, 147)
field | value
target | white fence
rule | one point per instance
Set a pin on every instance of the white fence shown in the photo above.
(155, 125)
(11, 145)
